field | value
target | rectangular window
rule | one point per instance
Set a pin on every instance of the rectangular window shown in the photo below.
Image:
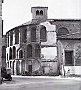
(3, 51)
(2, 28)
(11, 38)
(7, 40)
(16, 36)
(24, 35)
(33, 34)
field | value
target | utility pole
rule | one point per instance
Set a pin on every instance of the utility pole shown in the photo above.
(0, 38)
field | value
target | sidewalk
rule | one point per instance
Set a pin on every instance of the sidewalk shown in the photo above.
(54, 77)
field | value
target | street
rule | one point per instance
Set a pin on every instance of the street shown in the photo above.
(41, 83)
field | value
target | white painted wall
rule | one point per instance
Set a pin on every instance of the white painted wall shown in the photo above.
(78, 70)
(73, 70)
(49, 52)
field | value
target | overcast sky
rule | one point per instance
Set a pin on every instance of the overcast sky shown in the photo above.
(17, 12)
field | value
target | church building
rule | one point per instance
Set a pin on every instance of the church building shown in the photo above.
(25, 43)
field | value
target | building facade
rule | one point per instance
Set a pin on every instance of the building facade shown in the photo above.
(69, 46)
(25, 43)
(3, 51)
(23, 52)
(1, 1)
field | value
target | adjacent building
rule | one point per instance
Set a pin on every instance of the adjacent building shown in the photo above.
(69, 46)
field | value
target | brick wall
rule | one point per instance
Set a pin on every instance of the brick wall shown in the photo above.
(70, 42)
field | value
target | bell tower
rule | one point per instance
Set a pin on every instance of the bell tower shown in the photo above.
(39, 13)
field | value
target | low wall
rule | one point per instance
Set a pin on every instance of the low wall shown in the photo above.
(78, 70)
(50, 67)
(72, 70)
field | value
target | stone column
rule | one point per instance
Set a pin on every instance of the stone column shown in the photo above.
(20, 65)
(9, 64)
(12, 67)
(15, 68)
(25, 65)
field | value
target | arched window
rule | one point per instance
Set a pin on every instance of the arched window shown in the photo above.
(62, 31)
(10, 53)
(33, 34)
(43, 34)
(16, 36)
(14, 52)
(41, 12)
(20, 54)
(37, 12)
(37, 51)
(8, 40)
(29, 51)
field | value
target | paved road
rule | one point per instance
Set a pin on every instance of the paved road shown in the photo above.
(41, 83)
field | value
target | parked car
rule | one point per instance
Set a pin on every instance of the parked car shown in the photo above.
(6, 73)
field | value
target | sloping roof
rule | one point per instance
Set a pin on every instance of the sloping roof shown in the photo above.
(48, 20)
(39, 7)
(27, 23)
(63, 19)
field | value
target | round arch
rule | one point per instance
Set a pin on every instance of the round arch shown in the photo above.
(20, 54)
(62, 31)
(37, 12)
(41, 12)
(43, 33)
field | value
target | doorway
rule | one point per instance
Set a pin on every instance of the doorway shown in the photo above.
(69, 58)
(30, 69)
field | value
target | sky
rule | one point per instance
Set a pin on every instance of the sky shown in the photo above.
(17, 12)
